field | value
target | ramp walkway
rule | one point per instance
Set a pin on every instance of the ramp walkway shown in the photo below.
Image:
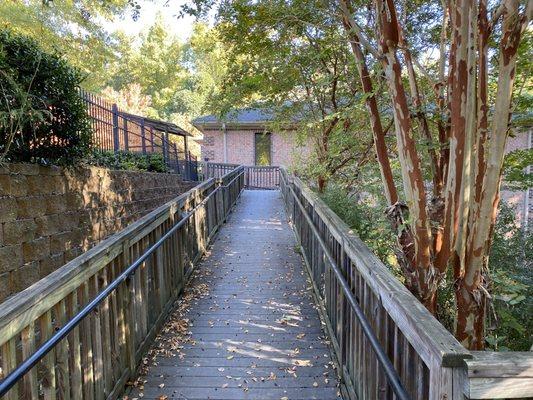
(252, 328)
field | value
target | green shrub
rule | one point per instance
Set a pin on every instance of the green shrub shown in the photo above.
(510, 326)
(42, 117)
(366, 218)
(125, 160)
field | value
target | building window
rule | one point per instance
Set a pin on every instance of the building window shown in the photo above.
(263, 145)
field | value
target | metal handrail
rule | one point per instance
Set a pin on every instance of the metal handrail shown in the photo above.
(390, 371)
(9, 381)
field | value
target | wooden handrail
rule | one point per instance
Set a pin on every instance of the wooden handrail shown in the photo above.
(432, 364)
(423, 352)
(126, 319)
(496, 375)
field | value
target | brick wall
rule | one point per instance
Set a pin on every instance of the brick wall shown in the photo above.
(50, 215)
(240, 147)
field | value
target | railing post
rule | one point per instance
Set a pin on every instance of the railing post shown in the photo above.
(164, 138)
(143, 137)
(176, 155)
(126, 139)
(446, 383)
(116, 142)
(187, 166)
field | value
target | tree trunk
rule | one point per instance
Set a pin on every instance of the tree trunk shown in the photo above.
(322, 183)
(397, 212)
(470, 161)
(413, 181)
(471, 292)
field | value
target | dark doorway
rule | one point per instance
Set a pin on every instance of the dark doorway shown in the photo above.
(263, 145)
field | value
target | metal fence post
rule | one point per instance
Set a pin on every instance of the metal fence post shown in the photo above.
(126, 143)
(116, 142)
(164, 147)
(176, 156)
(143, 137)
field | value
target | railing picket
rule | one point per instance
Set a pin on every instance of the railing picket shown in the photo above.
(75, 363)
(117, 343)
(48, 380)
(30, 385)
(86, 346)
(126, 293)
(96, 336)
(8, 356)
(106, 334)
(28, 348)
(160, 270)
(144, 281)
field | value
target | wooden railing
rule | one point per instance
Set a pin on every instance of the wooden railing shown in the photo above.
(430, 362)
(97, 357)
(215, 170)
(256, 177)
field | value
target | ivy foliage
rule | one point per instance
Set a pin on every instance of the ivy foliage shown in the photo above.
(42, 117)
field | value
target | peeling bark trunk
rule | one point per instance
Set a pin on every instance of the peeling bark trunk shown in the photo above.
(413, 182)
(470, 289)
(391, 193)
(397, 213)
(421, 116)
(469, 170)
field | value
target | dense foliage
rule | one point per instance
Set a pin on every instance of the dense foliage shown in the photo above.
(42, 117)
(362, 214)
(438, 102)
(290, 58)
(76, 29)
(124, 160)
(511, 260)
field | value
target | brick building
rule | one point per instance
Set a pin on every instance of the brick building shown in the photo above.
(243, 137)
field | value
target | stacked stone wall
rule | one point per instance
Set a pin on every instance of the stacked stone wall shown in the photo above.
(50, 215)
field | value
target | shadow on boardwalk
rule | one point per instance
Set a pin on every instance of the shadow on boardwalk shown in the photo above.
(246, 327)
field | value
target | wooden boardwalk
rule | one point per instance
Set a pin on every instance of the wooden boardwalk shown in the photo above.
(246, 327)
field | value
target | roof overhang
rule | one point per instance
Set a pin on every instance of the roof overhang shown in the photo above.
(158, 125)
(245, 126)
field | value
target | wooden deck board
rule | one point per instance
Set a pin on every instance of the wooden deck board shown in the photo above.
(256, 334)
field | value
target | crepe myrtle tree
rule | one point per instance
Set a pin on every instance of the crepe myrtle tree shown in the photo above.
(447, 224)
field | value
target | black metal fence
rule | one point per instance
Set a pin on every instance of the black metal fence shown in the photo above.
(117, 131)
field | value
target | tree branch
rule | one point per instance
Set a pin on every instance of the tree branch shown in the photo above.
(356, 30)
